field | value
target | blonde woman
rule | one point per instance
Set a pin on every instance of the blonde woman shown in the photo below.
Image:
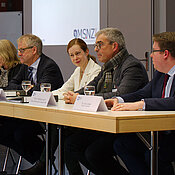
(9, 62)
(87, 68)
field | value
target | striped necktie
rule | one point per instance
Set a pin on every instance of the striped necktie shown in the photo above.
(30, 74)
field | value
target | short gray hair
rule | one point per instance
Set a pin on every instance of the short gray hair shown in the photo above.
(113, 35)
(32, 40)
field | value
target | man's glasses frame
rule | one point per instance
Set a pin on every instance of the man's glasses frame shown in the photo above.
(157, 51)
(100, 44)
(23, 49)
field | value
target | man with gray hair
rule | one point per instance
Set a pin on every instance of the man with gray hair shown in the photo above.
(120, 74)
(21, 135)
(43, 68)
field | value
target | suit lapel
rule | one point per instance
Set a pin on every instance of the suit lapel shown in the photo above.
(159, 86)
(26, 73)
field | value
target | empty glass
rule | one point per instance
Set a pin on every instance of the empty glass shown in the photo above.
(89, 90)
(26, 85)
(45, 87)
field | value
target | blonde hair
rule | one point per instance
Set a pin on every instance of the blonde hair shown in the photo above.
(8, 53)
(32, 40)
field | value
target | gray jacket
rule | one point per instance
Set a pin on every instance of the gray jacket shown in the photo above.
(129, 76)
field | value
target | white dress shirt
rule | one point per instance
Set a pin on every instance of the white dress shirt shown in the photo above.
(34, 71)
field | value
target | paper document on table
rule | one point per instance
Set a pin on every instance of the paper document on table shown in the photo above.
(2, 95)
(10, 93)
(90, 103)
(14, 93)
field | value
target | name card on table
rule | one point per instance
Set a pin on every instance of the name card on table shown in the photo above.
(2, 95)
(42, 99)
(90, 103)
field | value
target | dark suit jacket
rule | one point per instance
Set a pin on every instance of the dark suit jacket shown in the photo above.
(47, 72)
(13, 72)
(152, 93)
(128, 77)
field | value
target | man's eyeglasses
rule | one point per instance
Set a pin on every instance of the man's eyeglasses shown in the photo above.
(23, 49)
(157, 51)
(100, 44)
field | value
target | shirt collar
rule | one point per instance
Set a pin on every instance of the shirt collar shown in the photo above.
(172, 71)
(36, 63)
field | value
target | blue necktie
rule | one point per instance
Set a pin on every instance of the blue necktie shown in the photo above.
(30, 74)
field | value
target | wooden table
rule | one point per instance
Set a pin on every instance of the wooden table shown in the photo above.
(111, 121)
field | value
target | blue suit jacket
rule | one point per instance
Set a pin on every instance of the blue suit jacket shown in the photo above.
(47, 72)
(152, 93)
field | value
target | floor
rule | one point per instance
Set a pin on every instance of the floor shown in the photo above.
(11, 167)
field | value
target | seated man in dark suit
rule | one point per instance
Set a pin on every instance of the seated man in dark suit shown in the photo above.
(157, 95)
(21, 135)
(121, 73)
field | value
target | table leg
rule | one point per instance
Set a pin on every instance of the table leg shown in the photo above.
(154, 153)
(47, 156)
(59, 152)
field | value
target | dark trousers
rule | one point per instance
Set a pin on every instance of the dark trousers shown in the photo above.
(136, 155)
(94, 150)
(21, 135)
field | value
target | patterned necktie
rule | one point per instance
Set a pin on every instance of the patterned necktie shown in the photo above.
(164, 84)
(30, 74)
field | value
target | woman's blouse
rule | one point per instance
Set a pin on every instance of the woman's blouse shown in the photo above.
(73, 83)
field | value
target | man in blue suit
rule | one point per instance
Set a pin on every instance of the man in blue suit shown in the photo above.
(157, 95)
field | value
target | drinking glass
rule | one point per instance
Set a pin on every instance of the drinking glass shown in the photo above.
(45, 87)
(26, 85)
(89, 90)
